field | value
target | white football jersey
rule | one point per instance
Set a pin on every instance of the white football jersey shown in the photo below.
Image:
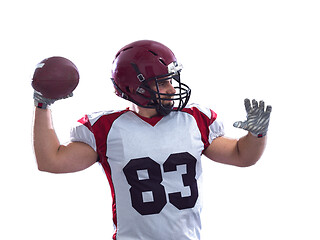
(154, 169)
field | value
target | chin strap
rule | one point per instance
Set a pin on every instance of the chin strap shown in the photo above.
(139, 74)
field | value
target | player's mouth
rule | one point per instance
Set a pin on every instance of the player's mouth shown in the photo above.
(168, 103)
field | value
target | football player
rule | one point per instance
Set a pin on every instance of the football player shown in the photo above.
(151, 151)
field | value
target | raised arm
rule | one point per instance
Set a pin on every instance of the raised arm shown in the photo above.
(55, 78)
(247, 150)
(53, 157)
(243, 152)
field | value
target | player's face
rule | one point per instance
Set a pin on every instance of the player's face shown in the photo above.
(165, 87)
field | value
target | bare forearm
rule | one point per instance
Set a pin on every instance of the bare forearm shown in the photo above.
(45, 141)
(250, 149)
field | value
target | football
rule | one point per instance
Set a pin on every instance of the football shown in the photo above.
(55, 77)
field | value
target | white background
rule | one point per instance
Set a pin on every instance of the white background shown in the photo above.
(230, 50)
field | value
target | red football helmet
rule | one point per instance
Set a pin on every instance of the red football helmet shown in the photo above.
(138, 64)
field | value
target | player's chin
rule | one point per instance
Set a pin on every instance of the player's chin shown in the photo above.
(168, 103)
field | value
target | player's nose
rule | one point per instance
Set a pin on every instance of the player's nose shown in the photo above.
(171, 89)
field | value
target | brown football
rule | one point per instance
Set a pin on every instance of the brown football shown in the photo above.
(55, 77)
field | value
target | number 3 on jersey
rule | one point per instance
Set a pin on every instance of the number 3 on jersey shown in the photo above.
(151, 183)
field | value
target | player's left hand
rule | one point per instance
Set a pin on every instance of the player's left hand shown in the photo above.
(257, 118)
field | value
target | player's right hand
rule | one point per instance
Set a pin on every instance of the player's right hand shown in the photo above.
(41, 102)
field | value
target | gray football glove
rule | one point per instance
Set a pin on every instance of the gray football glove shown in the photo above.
(257, 118)
(42, 102)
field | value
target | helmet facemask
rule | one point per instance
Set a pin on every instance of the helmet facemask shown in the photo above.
(178, 100)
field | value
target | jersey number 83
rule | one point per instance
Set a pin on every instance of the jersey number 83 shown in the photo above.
(153, 183)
